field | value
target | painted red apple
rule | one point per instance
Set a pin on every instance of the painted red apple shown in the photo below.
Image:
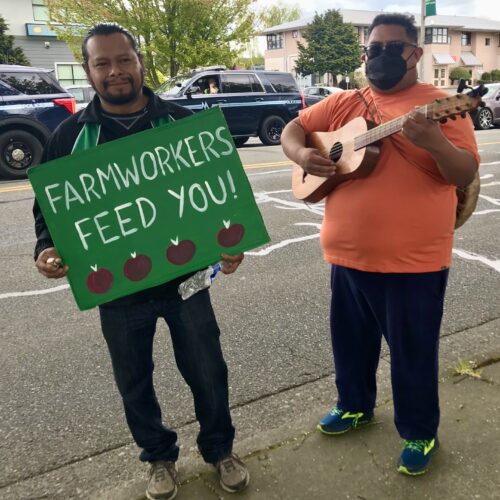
(99, 280)
(180, 252)
(230, 235)
(137, 267)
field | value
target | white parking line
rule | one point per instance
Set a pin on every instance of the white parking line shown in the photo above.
(280, 171)
(34, 292)
(494, 263)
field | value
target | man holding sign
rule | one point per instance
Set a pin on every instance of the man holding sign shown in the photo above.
(123, 107)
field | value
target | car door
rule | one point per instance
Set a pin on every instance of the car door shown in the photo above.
(495, 106)
(244, 99)
(312, 96)
(198, 96)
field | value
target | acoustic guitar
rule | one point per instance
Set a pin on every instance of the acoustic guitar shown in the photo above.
(354, 150)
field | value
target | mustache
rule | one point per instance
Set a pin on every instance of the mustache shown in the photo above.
(128, 79)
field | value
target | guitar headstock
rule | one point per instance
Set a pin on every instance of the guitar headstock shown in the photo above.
(458, 104)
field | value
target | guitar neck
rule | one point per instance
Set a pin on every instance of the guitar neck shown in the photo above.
(386, 129)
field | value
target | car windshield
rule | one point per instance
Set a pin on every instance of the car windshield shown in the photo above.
(170, 85)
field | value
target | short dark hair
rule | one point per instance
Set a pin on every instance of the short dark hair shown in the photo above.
(107, 29)
(407, 21)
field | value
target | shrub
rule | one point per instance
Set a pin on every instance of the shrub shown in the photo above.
(495, 75)
(459, 73)
(486, 77)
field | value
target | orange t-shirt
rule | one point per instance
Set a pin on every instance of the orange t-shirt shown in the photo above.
(399, 219)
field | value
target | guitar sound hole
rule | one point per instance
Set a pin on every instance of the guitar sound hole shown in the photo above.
(336, 151)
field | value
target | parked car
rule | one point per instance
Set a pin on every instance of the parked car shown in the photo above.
(255, 103)
(312, 95)
(488, 116)
(32, 104)
(83, 94)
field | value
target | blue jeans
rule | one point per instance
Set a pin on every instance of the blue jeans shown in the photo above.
(129, 333)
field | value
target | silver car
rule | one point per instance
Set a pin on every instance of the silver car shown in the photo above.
(312, 95)
(486, 117)
(83, 94)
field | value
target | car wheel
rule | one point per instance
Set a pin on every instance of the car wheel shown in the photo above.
(19, 150)
(484, 119)
(239, 141)
(271, 129)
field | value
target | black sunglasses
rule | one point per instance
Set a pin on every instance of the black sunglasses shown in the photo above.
(392, 49)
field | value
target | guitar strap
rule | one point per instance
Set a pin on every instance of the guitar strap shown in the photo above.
(367, 106)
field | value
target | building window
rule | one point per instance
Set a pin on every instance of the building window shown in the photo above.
(466, 37)
(40, 10)
(363, 34)
(70, 74)
(436, 35)
(275, 41)
(295, 34)
(487, 41)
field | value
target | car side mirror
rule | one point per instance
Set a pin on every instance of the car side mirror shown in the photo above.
(498, 97)
(193, 90)
(178, 84)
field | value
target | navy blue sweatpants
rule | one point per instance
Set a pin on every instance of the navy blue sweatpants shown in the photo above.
(407, 310)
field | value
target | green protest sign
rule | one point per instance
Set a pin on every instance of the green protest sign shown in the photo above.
(137, 212)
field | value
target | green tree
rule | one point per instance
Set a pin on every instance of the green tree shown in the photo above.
(332, 46)
(173, 35)
(8, 53)
(278, 14)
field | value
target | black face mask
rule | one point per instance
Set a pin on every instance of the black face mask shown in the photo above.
(386, 71)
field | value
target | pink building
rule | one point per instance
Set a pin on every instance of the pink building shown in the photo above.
(450, 41)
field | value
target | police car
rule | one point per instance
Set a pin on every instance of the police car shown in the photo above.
(254, 103)
(32, 104)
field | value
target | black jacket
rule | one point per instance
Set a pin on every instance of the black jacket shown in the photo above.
(61, 143)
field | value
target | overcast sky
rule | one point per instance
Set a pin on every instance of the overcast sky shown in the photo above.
(489, 9)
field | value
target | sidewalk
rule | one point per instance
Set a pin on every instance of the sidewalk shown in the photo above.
(295, 462)
(289, 459)
(362, 464)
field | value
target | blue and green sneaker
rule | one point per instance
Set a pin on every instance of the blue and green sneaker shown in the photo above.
(416, 455)
(339, 421)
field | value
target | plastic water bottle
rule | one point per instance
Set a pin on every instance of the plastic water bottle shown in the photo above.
(199, 281)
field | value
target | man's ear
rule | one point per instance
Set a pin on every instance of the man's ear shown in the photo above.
(419, 52)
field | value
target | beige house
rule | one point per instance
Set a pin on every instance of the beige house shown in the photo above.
(450, 41)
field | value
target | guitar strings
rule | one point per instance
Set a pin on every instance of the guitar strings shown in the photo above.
(388, 128)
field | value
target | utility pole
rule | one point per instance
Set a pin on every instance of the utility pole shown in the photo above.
(422, 40)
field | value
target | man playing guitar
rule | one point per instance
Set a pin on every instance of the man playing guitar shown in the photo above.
(389, 238)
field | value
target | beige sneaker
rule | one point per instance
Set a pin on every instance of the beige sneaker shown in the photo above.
(233, 474)
(162, 484)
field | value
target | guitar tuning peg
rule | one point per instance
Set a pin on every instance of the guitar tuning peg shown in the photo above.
(482, 104)
(443, 120)
(463, 114)
(453, 117)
